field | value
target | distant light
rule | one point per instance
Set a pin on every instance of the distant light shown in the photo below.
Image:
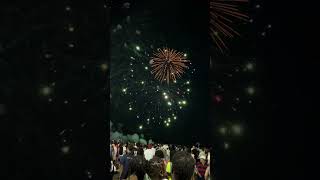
(138, 48)
(71, 29)
(46, 91)
(142, 82)
(140, 127)
(223, 130)
(250, 66)
(188, 82)
(175, 81)
(71, 45)
(164, 93)
(188, 90)
(166, 97)
(251, 90)
(185, 55)
(169, 103)
(124, 90)
(104, 67)
(226, 145)
(175, 117)
(65, 149)
(130, 108)
(237, 129)
(146, 68)
(184, 102)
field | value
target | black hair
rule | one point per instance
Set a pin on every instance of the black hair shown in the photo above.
(120, 150)
(155, 168)
(182, 165)
(159, 154)
(140, 151)
(137, 166)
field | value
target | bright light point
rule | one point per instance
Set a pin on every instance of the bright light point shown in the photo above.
(188, 90)
(179, 102)
(175, 81)
(168, 124)
(184, 102)
(180, 107)
(250, 66)
(104, 67)
(185, 55)
(223, 130)
(142, 82)
(175, 117)
(164, 93)
(237, 129)
(130, 108)
(166, 97)
(146, 68)
(226, 145)
(138, 48)
(169, 103)
(251, 90)
(124, 90)
(188, 82)
(71, 29)
(46, 91)
(140, 127)
(65, 149)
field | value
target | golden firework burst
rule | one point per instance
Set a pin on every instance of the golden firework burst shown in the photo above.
(168, 64)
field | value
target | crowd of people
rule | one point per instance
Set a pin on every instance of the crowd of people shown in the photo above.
(134, 161)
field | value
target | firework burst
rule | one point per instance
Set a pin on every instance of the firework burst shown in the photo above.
(223, 13)
(168, 64)
(137, 98)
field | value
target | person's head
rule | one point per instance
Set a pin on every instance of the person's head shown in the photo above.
(140, 151)
(121, 150)
(130, 149)
(182, 166)
(137, 167)
(159, 154)
(203, 159)
(155, 168)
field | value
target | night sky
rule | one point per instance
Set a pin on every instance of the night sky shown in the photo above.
(54, 90)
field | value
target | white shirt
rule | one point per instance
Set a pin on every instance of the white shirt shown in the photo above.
(149, 153)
